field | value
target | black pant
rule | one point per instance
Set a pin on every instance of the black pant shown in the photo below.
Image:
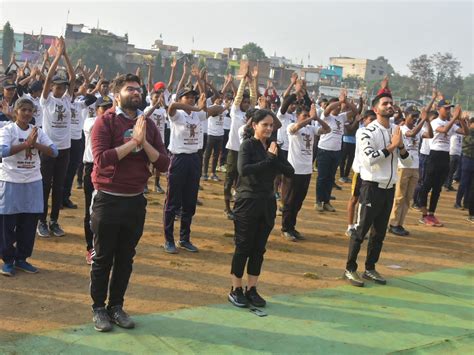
(182, 192)
(75, 157)
(436, 171)
(454, 161)
(117, 223)
(294, 192)
(223, 157)
(214, 145)
(167, 137)
(17, 236)
(80, 168)
(279, 178)
(53, 171)
(254, 220)
(348, 153)
(231, 174)
(88, 190)
(375, 205)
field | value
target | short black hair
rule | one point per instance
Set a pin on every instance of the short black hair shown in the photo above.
(377, 98)
(120, 81)
(368, 113)
(333, 99)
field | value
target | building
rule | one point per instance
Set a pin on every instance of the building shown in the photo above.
(77, 32)
(367, 69)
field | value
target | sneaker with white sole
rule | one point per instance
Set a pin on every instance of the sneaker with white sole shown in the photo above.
(56, 229)
(353, 278)
(237, 298)
(42, 230)
(373, 275)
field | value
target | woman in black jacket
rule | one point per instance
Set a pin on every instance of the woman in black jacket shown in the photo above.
(259, 161)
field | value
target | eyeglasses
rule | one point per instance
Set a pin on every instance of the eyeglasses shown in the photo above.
(133, 88)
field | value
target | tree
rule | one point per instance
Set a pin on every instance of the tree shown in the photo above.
(440, 70)
(8, 43)
(422, 71)
(353, 82)
(96, 50)
(253, 51)
(158, 68)
(404, 86)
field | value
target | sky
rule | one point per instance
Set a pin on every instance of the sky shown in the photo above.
(311, 31)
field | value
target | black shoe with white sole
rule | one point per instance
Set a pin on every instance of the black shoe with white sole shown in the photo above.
(120, 317)
(101, 320)
(237, 297)
(374, 276)
(354, 278)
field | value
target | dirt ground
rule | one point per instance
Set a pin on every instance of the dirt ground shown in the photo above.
(58, 295)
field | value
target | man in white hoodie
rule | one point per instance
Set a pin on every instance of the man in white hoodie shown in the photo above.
(379, 146)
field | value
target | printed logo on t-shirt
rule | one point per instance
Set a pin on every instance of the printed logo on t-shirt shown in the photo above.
(127, 137)
(192, 129)
(307, 138)
(338, 130)
(74, 116)
(28, 162)
(91, 111)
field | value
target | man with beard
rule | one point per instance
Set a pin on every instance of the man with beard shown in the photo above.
(379, 146)
(124, 143)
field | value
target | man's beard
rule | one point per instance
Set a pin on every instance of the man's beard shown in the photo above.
(128, 103)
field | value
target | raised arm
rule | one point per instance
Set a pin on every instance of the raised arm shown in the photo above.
(70, 71)
(172, 75)
(184, 77)
(253, 86)
(293, 79)
(52, 70)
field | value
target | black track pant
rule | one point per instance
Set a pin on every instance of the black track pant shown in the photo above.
(294, 191)
(214, 145)
(254, 220)
(436, 172)
(375, 205)
(348, 153)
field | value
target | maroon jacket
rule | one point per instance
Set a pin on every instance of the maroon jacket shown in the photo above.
(129, 175)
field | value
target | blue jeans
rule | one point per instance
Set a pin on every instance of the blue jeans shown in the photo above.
(328, 161)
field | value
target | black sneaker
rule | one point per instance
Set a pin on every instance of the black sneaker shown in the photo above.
(336, 186)
(374, 276)
(187, 246)
(42, 230)
(159, 189)
(120, 317)
(101, 320)
(450, 188)
(254, 298)
(288, 236)
(298, 235)
(354, 278)
(458, 206)
(56, 229)
(404, 231)
(69, 204)
(237, 297)
(397, 230)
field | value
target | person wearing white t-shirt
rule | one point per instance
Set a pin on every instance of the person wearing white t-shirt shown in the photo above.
(79, 109)
(300, 155)
(101, 105)
(21, 188)
(242, 102)
(226, 125)
(422, 158)
(215, 137)
(158, 115)
(286, 115)
(185, 167)
(408, 174)
(455, 146)
(56, 103)
(437, 164)
(329, 149)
